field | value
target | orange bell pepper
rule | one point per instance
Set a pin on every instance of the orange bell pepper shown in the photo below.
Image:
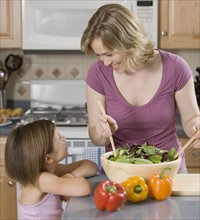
(136, 189)
(160, 186)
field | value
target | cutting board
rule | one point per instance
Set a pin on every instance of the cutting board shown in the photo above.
(186, 185)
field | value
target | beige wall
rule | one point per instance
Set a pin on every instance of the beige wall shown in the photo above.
(62, 67)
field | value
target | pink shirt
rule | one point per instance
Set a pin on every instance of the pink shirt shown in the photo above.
(49, 208)
(154, 122)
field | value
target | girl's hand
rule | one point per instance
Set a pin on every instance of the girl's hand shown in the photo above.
(106, 126)
(68, 175)
(64, 198)
(196, 133)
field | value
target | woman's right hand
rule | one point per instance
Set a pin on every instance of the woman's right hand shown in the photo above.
(106, 126)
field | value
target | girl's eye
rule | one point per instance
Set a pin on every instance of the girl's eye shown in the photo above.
(109, 55)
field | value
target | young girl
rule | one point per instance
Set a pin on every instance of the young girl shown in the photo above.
(32, 155)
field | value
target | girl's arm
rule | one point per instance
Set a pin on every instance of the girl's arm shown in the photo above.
(83, 168)
(189, 111)
(76, 186)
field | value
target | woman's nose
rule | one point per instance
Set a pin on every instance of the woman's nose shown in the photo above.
(106, 61)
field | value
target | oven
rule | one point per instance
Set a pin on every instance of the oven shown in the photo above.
(64, 103)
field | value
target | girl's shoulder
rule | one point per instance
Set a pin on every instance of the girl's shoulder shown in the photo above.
(30, 194)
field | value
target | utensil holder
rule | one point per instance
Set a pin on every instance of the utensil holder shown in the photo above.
(2, 98)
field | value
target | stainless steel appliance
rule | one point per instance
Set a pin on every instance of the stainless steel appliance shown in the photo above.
(64, 103)
(66, 116)
(58, 24)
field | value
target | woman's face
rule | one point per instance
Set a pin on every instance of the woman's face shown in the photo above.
(59, 147)
(109, 58)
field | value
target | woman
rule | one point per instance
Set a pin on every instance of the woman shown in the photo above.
(140, 87)
(32, 155)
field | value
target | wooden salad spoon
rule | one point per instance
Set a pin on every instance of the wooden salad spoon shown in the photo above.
(187, 144)
(111, 138)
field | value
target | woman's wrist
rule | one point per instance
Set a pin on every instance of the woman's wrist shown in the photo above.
(97, 138)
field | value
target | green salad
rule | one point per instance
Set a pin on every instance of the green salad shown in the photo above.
(142, 154)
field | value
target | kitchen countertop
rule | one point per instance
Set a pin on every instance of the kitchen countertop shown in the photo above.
(175, 207)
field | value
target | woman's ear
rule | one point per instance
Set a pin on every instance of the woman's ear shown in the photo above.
(49, 159)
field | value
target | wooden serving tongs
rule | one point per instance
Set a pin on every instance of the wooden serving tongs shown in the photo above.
(111, 138)
(185, 146)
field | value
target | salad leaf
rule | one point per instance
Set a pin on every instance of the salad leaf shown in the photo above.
(149, 150)
(142, 153)
(155, 158)
(171, 153)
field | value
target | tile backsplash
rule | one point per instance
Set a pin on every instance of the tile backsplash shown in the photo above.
(61, 66)
(44, 67)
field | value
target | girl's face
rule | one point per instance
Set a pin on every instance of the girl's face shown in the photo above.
(109, 58)
(59, 147)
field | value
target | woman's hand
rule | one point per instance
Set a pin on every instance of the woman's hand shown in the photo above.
(196, 133)
(106, 126)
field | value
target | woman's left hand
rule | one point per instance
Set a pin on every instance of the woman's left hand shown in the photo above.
(196, 133)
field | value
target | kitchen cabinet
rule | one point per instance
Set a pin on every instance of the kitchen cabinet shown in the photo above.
(179, 24)
(192, 156)
(8, 205)
(10, 24)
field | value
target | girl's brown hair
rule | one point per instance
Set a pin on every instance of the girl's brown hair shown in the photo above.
(120, 30)
(26, 148)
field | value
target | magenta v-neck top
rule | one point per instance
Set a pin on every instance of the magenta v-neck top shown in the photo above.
(153, 123)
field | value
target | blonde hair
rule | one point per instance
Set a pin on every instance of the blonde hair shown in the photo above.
(118, 29)
(26, 148)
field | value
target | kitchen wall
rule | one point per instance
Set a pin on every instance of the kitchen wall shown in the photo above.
(64, 66)
(44, 66)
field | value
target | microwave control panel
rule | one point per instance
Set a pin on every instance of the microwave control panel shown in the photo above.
(147, 12)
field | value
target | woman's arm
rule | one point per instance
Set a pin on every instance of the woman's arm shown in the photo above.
(98, 128)
(82, 168)
(75, 186)
(189, 111)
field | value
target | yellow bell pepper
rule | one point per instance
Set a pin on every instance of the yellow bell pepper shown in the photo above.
(136, 189)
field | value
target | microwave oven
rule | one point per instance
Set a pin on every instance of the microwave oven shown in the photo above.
(59, 24)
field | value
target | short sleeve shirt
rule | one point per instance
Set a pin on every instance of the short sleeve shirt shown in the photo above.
(153, 123)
